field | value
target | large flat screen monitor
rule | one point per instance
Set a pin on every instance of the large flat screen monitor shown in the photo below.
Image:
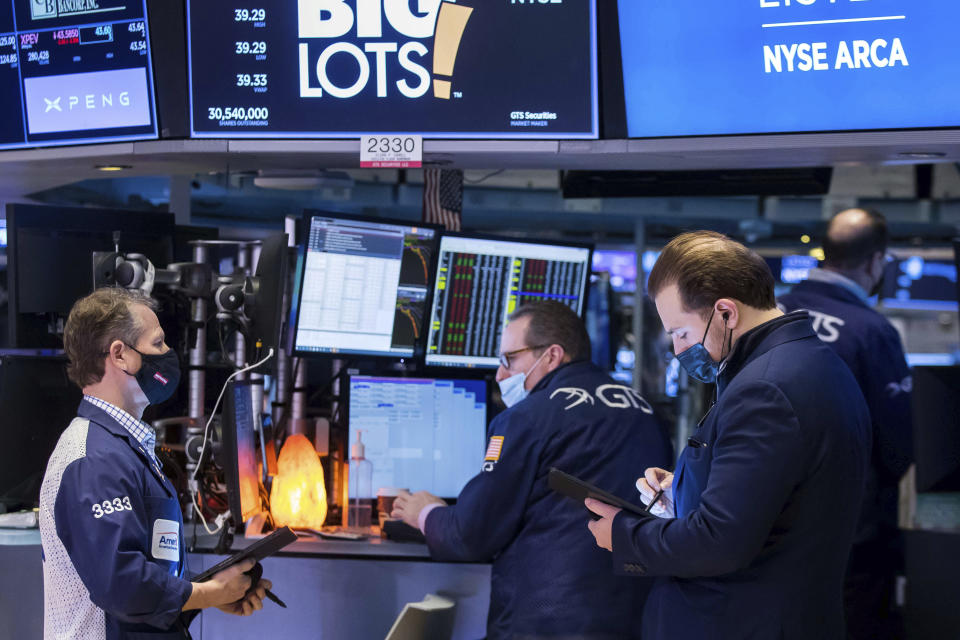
(916, 282)
(37, 402)
(75, 71)
(321, 69)
(239, 433)
(708, 68)
(936, 428)
(363, 286)
(50, 260)
(481, 281)
(420, 433)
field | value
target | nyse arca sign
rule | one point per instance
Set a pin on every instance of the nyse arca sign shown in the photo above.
(367, 39)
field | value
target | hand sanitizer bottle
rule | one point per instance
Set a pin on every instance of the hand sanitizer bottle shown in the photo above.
(361, 486)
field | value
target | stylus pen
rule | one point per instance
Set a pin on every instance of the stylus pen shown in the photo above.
(275, 598)
(656, 497)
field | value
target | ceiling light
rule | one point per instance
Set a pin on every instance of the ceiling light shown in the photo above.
(112, 167)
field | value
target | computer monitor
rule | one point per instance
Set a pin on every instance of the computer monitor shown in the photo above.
(917, 282)
(37, 402)
(263, 294)
(936, 428)
(50, 260)
(482, 280)
(796, 268)
(239, 433)
(621, 265)
(420, 433)
(956, 264)
(363, 286)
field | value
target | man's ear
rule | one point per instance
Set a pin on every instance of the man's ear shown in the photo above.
(116, 355)
(728, 312)
(557, 355)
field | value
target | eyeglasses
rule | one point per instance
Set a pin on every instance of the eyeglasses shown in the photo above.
(505, 357)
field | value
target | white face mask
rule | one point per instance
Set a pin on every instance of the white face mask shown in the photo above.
(513, 390)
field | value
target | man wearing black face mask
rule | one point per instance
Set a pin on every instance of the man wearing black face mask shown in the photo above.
(110, 523)
(836, 297)
(767, 491)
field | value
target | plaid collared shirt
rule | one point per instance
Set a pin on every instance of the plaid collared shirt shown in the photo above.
(140, 430)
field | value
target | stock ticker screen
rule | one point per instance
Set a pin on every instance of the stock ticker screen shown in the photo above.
(481, 281)
(364, 287)
(75, 71)
(343, 68)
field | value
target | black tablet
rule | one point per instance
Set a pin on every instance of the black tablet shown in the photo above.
(258, 551)
(572, 487)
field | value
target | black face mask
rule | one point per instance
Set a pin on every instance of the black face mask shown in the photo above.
(158, 376)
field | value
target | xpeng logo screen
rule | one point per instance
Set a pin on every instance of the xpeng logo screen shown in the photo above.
(75, 71)
(444, 68)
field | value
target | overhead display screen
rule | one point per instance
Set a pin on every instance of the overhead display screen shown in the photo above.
(74, 71)
(769, 66)
(343, 68)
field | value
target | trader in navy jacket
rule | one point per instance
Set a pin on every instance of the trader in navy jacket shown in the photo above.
(110, 522)
(548, 579)
(836, 297)
(768, 489)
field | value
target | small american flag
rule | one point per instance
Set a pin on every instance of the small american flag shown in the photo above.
(493, 451)
(443, 197)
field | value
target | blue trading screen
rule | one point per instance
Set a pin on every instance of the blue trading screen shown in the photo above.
(481, 281)
(74, 71)
(707, 67)
(342, 68)
(914, 282)
(420, 434)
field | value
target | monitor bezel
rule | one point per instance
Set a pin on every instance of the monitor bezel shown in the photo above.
(297, 292)
(435, 366)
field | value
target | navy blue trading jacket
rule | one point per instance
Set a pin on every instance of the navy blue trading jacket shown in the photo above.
(112, 536)
(770, 484)
(549, 578)
(871, 347)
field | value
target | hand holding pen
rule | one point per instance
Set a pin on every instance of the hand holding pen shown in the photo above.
(655, 488)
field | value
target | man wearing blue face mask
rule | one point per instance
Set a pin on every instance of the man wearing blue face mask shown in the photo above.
(837, 298)
(110, 523)
(768, 490)
(548, 577)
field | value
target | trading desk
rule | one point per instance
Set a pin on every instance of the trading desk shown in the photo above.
(332, 589)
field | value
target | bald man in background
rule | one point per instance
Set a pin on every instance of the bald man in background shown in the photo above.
(836, 296)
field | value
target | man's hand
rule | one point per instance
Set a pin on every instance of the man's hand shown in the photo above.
(653, 480)
(224, 588)
(249, 604)
(407, 507)
(602, 529)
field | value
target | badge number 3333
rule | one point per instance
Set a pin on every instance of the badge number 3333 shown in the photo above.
(107, 507)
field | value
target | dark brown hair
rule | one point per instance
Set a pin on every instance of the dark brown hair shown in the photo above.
(707, 266)
(95, 321)
(553, 322)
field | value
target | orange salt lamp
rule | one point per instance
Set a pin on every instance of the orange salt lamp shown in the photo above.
(298, 497)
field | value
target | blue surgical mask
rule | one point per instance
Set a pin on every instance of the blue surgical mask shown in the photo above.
(697, 361)
(513, 390)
